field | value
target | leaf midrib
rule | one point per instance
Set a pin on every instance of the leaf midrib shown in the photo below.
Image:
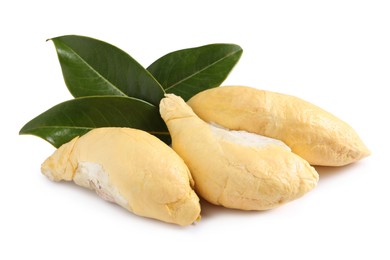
(59, 126)
(199, 71)
(95, 71)
(87, 128)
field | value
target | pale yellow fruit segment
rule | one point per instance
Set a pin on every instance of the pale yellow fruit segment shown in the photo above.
(235, 169)
(311, 132)
(131, 168)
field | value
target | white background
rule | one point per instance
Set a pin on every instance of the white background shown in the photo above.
(335, 54)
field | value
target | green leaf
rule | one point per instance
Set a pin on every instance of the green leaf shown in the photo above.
(189, 71)
(69, 119)
(93, 68)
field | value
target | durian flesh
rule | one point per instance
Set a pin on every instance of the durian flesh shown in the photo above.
(235, 169)
(131, 168)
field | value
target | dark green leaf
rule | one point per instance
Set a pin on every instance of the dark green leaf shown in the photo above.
(76, 117)
(189, 71)
(92, 68)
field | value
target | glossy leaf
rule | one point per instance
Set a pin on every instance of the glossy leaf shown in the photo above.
(91, 68)
(189, 71)
(76, 117)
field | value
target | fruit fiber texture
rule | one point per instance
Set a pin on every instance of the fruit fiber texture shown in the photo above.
(311, 132)
(235, 169)
(131, 168)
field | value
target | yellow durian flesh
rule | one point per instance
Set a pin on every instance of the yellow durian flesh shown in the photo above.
(233, 169)
(311, 132)
(131, 168)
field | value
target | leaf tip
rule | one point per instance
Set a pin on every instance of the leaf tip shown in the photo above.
(22, 130)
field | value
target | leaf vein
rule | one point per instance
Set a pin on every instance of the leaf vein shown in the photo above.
(199, 71)
(97, 73)
(59, 126)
